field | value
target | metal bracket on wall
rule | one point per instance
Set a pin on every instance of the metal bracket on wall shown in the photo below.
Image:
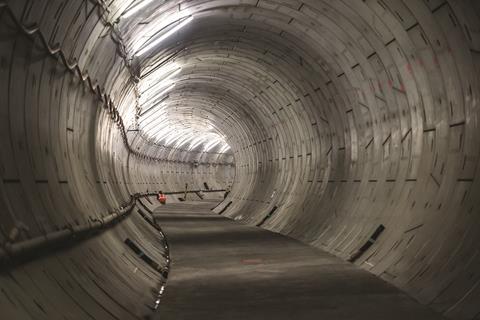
(354, 257)
(272, 211)
(225, 208)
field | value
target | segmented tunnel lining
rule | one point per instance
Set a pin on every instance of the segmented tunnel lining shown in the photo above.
(343, 114)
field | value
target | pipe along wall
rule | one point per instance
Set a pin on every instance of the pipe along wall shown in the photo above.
(353, 126)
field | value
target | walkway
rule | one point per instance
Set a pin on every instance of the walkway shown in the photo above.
(224, 270)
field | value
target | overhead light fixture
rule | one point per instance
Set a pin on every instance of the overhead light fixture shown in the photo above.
(151, 95)
(196, 142)
(186, 139)
(152, 80)
(161, 93)
(164, 36)
(151, 90)
(212, 144)
(157, 102)
(135, 9)
(225, 148)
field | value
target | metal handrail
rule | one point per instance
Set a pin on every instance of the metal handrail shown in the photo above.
(11, 250)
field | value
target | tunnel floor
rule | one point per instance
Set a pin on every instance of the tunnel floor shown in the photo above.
(224, 270)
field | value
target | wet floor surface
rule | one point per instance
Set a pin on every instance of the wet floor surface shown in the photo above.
(224, 270)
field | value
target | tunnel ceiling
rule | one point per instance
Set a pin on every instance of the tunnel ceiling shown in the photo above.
(225, 55)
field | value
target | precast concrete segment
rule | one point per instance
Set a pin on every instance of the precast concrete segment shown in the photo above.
(225, 270)
(96, 278)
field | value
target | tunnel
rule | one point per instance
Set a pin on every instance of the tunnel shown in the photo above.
(340, 130)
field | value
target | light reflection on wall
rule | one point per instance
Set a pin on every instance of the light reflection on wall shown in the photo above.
(174, 126)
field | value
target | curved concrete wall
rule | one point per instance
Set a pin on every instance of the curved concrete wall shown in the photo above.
(343, 115)
(65, 165)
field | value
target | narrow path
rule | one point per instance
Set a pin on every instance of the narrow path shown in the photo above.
(223, 270)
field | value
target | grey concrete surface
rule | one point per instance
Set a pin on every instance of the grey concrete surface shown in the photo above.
(222, 269)
(342, 116)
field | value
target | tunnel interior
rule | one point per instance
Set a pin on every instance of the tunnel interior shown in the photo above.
(351, 126)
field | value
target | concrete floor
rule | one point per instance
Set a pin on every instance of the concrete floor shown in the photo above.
(224, 270)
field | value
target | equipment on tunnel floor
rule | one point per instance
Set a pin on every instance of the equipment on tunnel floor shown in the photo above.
(162, 198)
(227, 192)
(367, 244)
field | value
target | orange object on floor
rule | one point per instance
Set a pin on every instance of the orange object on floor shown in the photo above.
(162, 198)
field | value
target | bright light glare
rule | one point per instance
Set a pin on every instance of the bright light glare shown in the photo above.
(165, 91)
(136, 8)
(176, 133)
(158, 92)
(152, 81)
(163, 36)
(210, 145)
(168, 124)
(224, 149)
(159, 116)
(185, 139)
(196, 142)
(160, 135)
(172, 137)
(157, 104)
(160, 102)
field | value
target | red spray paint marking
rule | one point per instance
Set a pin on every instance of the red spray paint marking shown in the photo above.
(409, 68)
(420, 62)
